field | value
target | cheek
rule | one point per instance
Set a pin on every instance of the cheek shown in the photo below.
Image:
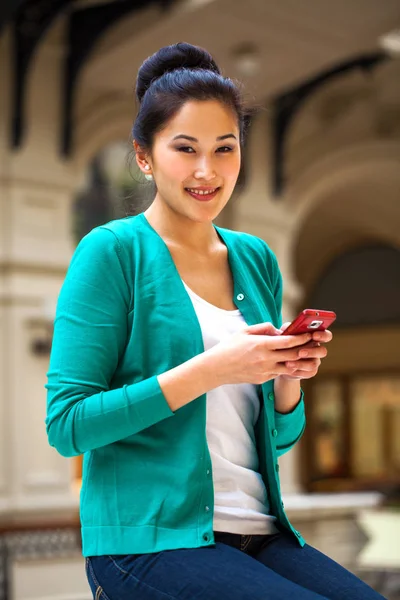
(230, 168)
(175, 170)
(172, 168)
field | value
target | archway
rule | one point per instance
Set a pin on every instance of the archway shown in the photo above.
(354, 406)
(347, 257)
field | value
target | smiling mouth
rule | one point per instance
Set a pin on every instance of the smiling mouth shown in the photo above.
(203, 194)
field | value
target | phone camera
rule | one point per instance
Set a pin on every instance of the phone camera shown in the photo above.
(315, 324)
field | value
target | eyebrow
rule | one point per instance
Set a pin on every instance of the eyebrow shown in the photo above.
(193, 139)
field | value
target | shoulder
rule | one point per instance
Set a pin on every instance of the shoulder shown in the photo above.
(121, 229)
(112, 235)
(105, 246)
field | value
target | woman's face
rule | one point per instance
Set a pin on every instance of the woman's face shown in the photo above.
(195, 160)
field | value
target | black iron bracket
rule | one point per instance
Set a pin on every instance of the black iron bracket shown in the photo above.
(85, 29)
(286, 106)
(7, 11)
(31, 20)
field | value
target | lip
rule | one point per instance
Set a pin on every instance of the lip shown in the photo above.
(203, 188)
(203, 198)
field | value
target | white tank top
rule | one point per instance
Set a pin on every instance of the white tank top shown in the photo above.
(240, 497)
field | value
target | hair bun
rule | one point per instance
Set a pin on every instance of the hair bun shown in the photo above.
(171, 58)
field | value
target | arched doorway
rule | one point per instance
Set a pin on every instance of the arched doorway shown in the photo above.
(346, 212)
(353, 407)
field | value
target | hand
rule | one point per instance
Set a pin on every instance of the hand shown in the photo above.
(256, 354)
(310, 356)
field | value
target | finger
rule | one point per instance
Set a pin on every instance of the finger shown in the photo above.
(266, 329)
(304, 365)
(284, 326)
(322, 336)
(291, 341)
(312, 344)
(303, 374)
(280, 369)
(286, 354)
(313, 352)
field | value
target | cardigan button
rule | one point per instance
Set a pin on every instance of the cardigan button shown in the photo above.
(240, 297)
(277, 468)
(274, 432)
(271, 396)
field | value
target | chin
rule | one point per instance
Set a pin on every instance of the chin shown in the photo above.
(200, 214)
(205, 217)
(207, 214)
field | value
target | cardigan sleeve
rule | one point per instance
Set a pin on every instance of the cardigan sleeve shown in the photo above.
(90, 334)
(289, 426)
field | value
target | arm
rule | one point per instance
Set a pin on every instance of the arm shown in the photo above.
(290, 418)
(90, 332)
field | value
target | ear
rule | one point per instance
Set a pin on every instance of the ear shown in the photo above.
(142, 159)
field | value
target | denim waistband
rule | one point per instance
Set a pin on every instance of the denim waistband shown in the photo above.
(250, 544)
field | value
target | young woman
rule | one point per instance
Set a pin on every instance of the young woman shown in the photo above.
(170, 374)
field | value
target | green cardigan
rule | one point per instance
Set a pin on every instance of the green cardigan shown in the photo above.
(123, 317)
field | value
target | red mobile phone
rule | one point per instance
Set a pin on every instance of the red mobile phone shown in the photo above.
(310, 320)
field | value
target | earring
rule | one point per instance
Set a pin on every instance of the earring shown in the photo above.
(147, 167)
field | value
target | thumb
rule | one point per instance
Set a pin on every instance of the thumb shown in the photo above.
(263, 329)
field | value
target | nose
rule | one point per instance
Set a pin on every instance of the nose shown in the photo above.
(205, 169)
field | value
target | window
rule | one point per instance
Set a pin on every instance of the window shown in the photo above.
(353, 438)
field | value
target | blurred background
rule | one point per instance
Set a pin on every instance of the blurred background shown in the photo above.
(320, 183)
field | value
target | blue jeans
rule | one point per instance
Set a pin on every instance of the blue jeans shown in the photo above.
(238, 567)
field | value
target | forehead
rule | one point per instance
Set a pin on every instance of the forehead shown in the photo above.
(202, 120)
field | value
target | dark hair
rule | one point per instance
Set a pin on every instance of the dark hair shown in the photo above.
(171, 77)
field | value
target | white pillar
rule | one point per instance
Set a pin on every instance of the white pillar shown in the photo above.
(5, 74)
(35, 249)
(258, 213)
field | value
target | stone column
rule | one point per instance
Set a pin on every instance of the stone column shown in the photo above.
(259, 213)
(35, 249)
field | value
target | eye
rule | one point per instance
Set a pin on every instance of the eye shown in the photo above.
(187, 149)
(225, 149)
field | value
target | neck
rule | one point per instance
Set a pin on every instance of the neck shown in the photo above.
(180, 231)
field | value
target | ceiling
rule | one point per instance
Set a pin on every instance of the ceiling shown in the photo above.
(105, 42)
(296, 40)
